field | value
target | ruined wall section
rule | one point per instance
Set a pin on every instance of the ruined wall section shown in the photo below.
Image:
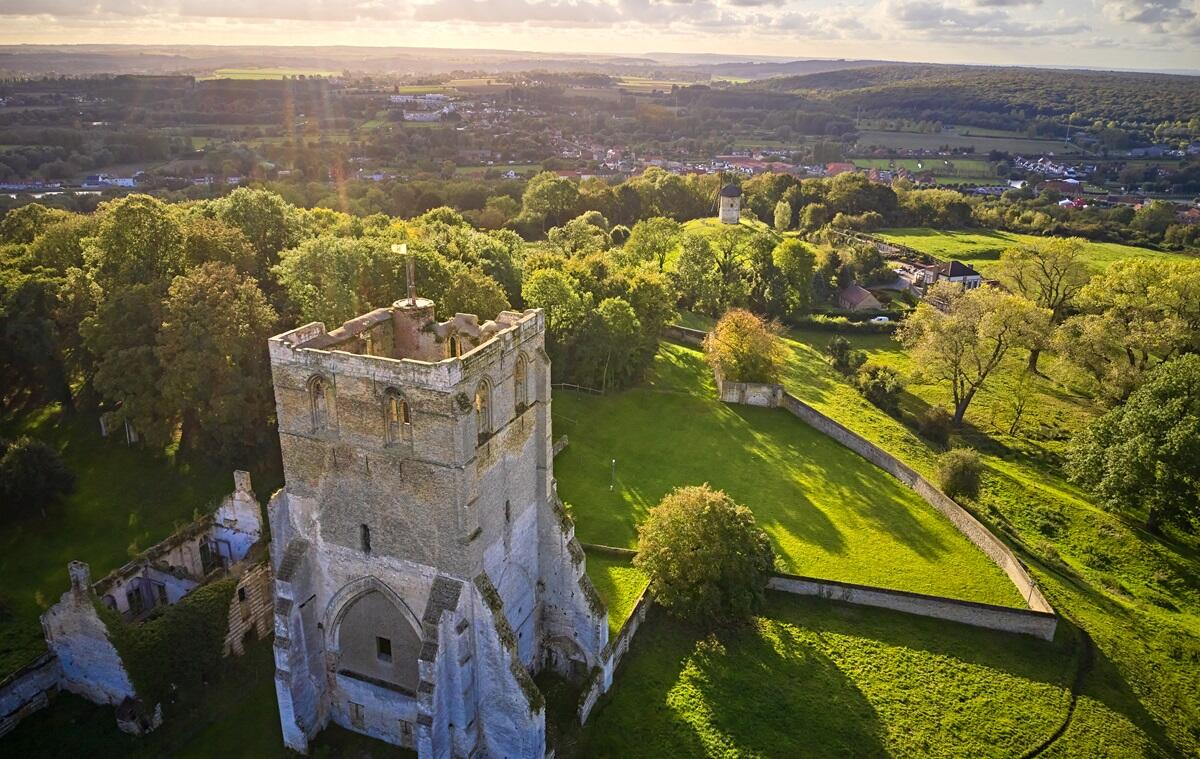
(91, 666)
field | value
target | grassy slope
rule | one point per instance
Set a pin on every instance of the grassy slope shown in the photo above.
(1137, 596)
(829, 512)
(982, 248)
(618, 583)
(814, 678)
(123, 495)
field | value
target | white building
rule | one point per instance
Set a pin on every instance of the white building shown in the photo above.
(730, 204)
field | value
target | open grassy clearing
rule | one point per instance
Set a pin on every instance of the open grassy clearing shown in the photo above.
(646, 84)
(830, 513)
(815, 678)
(981, 248)
(618, 583)
(266, 73)
(981, 144)
(123, 497)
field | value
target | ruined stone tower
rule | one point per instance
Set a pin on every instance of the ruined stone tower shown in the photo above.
(424, 566)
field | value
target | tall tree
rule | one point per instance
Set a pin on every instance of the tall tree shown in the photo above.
(651, 241)
(965, 341)
(1145, 454)
(1048, 272)
(215, 371)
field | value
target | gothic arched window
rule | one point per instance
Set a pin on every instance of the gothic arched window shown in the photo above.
(397, 416)
(454, 346)
(318, 402)
(483, 409)
(521, 383)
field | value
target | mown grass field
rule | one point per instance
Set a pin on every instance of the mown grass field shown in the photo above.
(123, 497)
(1136, 594)
(981, 248)
(829, 512)
(813, 678)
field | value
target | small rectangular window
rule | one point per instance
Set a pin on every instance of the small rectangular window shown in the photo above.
(242, 595)
(356, 715)
(364, 536)
(383, 649)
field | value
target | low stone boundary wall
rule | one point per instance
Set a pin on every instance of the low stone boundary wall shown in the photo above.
(770, 394)
(685, 335)
(968, 525)
(1025, 621)
(558, 446)
(616, 649)
(28, 689)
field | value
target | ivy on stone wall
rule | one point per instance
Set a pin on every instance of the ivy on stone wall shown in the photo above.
(181, 645)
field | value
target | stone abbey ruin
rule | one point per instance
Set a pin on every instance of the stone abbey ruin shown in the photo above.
(421, 569)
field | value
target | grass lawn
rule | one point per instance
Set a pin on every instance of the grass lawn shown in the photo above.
(618, 583)
(815, 678)
(829, 512)
(981, 248)
(123, 496)
(236, 716)
(1137, 595)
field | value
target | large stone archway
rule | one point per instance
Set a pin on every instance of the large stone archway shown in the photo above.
(373, 635)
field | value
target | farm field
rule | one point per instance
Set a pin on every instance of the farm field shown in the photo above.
(815, 678)
(959, 168)
(266, 73)
(124, 497)
(981, 144)
(829, 513)
(981, 248)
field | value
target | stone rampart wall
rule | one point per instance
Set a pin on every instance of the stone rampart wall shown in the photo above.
(1037, 623)
(613, 653)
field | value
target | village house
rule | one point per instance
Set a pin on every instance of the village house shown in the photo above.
(855, 297)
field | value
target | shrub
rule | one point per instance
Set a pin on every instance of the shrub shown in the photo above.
(881, 386)
(744, 348)
(843, 358)
(934, 425)
(33, 475)
(958, 473)
(706, 558)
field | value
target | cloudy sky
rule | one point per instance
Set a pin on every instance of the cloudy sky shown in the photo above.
(1145, 34)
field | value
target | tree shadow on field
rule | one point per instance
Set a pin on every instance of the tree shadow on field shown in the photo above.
(762, 703)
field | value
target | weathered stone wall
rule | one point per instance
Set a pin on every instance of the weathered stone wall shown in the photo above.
(602, 679)
(250, 609)
(1026, 621)
(91, 666)
(466, 492)
(28, 689)
(685, 335)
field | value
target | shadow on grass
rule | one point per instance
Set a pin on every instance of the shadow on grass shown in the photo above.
(730, 694)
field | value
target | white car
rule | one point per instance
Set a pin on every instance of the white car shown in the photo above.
(880, 320)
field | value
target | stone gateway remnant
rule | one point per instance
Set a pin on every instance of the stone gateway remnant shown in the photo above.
(424, 568)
